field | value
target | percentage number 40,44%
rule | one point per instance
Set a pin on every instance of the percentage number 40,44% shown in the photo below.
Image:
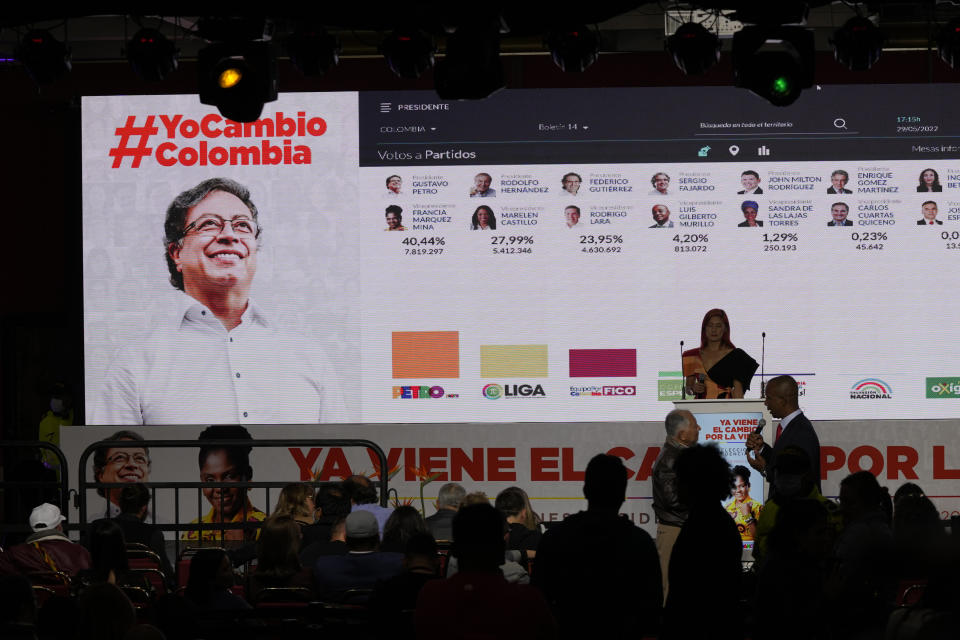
(433, 241)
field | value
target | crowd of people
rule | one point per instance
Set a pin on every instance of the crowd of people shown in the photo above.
(480, 568)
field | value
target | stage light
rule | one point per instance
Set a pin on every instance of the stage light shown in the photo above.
(471, 68)
(408, 52)
(44, 57)
(694, 48)
(312, 50)
(151, 55)
(238, 78)
(948, 42)
(776, 63)
(573, 49)
(857, 44)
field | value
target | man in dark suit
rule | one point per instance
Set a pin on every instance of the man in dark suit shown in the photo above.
(363, 565)
(838, 182)
(794, 430)
(929, 213)
(839, 211)
(449, 498)
(750, 180)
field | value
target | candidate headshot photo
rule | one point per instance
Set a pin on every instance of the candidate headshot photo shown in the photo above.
(929, 181)
(216, 356)
(228, 505)
(661, 217)
(394, 217)
(661, 184)
(572, 215)
(481, 186)
(750, 181)
(394, 186)
(929, 210)
(125, 461)
(571, 183)
(839, 212)
(483, 219)
(838, 182)
(750, 209)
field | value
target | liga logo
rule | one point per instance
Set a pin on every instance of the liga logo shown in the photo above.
(870, 389)
(496, 391)
(943, 387)
(275, 147)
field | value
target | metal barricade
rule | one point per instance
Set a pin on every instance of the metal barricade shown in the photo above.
(21, 496)
(84, 485)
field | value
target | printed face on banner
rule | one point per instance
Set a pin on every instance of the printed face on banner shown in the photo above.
(218, 467)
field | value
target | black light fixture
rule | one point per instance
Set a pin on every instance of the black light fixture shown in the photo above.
(151, 55)
(775, 62)
(573, 48)
(312, 50)
(471, 68)
(857, 44)
(238, 78)
(948, 43)
(44, 57)
(694, 48)
(408, 52)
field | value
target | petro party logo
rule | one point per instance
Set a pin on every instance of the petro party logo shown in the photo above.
(496, 391)
(870, 389)
(422, 391)
(943, 387)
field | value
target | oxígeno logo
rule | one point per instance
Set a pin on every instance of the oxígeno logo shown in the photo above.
(943, 387)
(870, 389)
(492, 391)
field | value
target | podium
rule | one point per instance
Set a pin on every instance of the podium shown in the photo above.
(728, 423)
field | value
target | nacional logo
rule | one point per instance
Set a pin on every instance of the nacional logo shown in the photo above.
(870, 389)
(422, 391)
(496, 391)
(943, 387)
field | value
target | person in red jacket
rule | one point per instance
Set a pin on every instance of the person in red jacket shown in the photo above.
(47, 549)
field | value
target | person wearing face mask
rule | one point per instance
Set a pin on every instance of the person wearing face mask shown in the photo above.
(793, 481)
(59, 415)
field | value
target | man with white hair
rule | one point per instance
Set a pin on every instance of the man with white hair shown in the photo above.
(682, 432)
(47, 549)
(449, 498)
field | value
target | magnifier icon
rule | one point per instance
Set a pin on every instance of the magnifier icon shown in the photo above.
(840, 123)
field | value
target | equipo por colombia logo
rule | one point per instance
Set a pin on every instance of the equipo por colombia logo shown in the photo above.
(870, 389)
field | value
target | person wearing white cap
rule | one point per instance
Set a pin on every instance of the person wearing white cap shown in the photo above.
(47, 549)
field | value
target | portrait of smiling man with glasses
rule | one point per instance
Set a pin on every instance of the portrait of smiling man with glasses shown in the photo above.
(220, 357)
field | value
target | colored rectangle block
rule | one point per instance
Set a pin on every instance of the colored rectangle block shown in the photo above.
(513, 361)
(603, 363)
(426, 354)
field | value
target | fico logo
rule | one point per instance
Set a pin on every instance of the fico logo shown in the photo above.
(870, 389)
(495, 391)
(943, 387)
(619, 390)
(415, 392)
(213, 125)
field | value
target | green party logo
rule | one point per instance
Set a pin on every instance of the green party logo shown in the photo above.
(943, 387)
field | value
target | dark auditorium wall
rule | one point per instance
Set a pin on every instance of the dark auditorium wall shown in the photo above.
(41, 319)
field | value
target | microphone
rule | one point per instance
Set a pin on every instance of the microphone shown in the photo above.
(760, 425)
(763, 356)
(683, 381)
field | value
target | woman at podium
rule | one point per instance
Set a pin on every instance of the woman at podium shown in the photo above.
(717, 369)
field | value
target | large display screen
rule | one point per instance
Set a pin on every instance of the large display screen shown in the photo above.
(534, 257)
